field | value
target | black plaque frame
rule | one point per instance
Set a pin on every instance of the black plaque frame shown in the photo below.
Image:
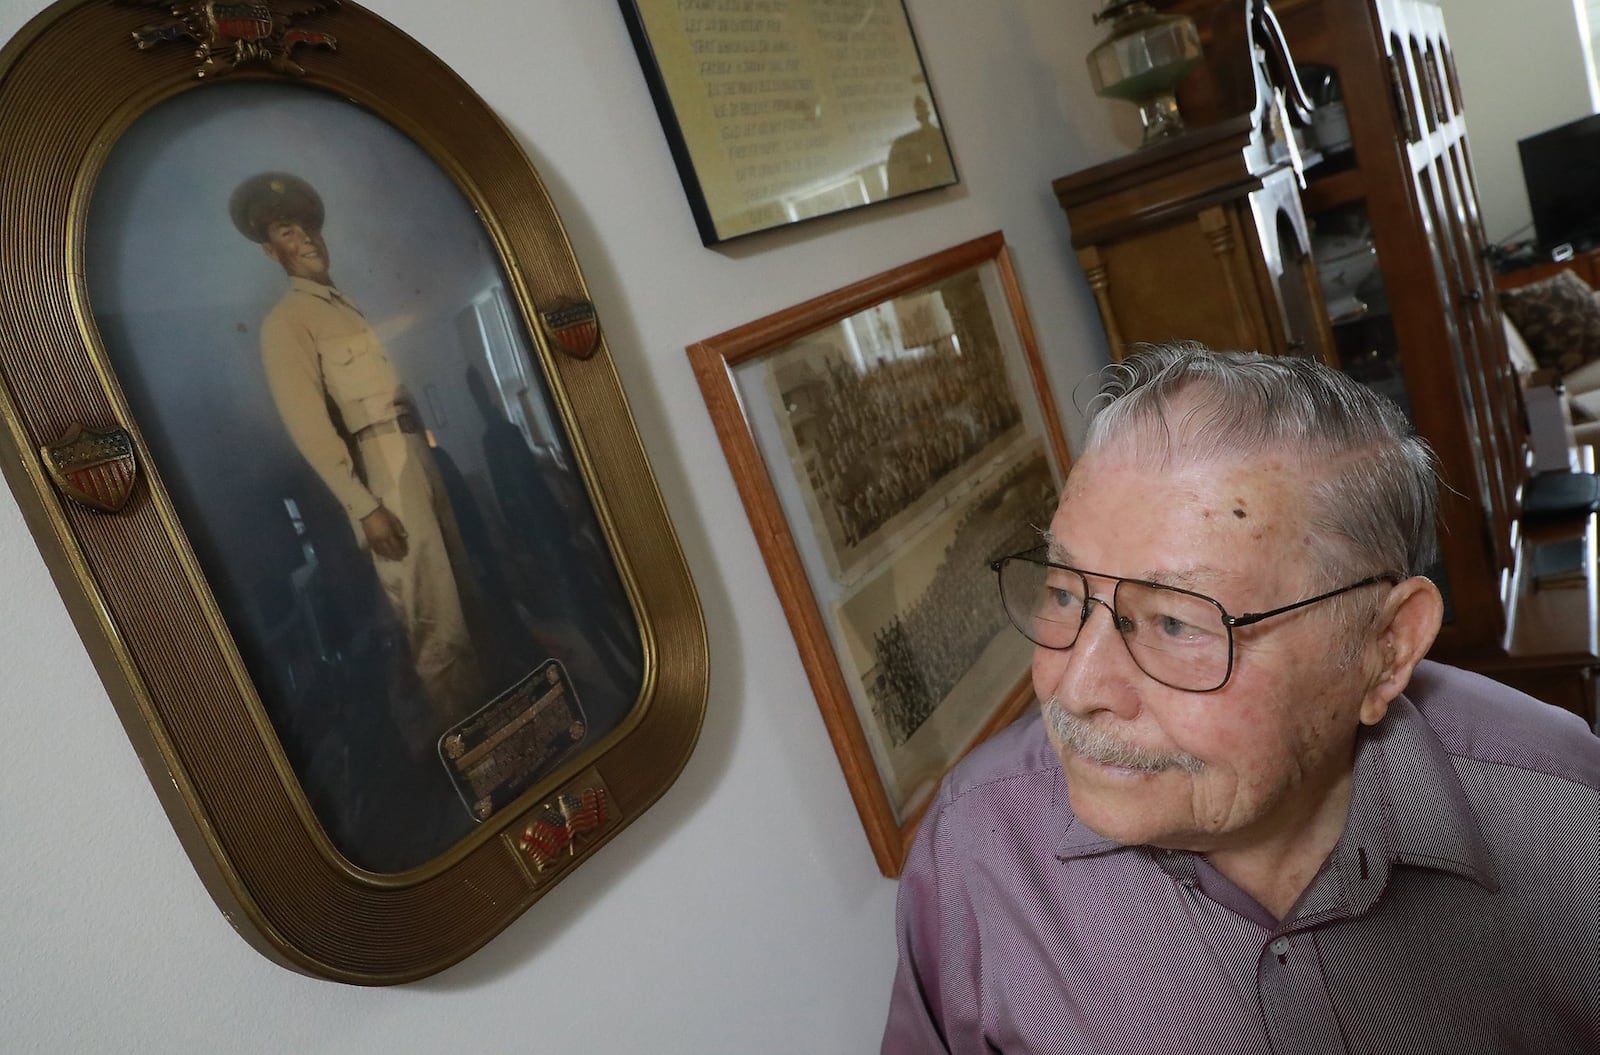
(782, 111)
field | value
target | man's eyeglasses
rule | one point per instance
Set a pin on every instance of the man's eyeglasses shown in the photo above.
(1180, 638)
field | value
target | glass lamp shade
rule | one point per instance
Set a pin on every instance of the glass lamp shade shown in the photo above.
(1143, 60)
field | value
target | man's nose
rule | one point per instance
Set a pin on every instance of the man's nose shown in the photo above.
(1099, 673)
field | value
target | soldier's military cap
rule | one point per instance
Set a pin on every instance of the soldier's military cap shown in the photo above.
(268, 197)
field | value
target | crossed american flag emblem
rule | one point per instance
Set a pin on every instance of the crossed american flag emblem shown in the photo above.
(560, 822)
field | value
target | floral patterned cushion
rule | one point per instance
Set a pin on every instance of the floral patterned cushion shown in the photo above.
(1559, 317)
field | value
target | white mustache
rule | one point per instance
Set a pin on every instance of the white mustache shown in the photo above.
(1083, 737)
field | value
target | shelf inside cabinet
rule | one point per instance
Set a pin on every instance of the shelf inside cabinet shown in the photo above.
(1332, 191)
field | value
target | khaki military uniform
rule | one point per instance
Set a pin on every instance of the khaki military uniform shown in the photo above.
(319, 351)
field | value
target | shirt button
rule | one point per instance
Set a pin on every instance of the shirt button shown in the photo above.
(1279, 946)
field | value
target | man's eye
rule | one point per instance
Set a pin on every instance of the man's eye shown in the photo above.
(1063, 601)
(1182, 631)
(1174, 627)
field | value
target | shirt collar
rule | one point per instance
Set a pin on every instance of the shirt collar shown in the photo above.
(328, 293)
(1407, 806)
(1079, 841)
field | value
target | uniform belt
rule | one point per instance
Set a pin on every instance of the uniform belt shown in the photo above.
(405, 422)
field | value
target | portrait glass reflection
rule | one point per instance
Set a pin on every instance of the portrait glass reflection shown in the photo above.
(334, 384)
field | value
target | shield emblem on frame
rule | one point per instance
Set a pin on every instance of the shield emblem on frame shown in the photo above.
(250, 22)
(574, 327)
(94, 467)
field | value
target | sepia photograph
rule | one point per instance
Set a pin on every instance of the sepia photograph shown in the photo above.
(889, 439)
(314, 332)
(926, 641)
(884, 413)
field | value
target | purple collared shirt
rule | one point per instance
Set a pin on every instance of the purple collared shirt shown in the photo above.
(1459, 911)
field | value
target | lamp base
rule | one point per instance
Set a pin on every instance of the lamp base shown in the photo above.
(1160, 118)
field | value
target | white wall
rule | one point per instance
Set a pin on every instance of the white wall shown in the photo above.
(1523, 69)
(743, 913)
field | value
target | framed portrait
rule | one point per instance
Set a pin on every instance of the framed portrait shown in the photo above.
(889, 439)
(315, 423)
(778, 111)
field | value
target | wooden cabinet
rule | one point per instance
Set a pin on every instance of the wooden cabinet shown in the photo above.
(1200, 238)
(1423, 325)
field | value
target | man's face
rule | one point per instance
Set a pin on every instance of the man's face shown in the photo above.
(1218, 770)
(301, 252)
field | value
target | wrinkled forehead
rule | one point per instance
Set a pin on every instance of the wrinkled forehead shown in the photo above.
(1138, 481)
(1177, 463)
(1188, 462)
(1121, 504)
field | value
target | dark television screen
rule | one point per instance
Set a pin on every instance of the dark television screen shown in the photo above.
(1561, 168)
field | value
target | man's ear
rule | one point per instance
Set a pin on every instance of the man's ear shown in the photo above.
(1402, 633)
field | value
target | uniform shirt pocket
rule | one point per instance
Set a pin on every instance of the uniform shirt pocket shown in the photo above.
(360, 379)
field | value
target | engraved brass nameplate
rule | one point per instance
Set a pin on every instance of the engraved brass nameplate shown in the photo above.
(504, 748)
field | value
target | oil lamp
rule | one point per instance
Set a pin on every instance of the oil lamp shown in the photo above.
(1143, 60)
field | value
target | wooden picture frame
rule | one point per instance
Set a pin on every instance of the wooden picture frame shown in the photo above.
(777, 113)
(368, 797)
(889, 439)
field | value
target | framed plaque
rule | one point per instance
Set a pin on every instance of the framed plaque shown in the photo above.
(295, 359)
(778, 111)
(889, 439)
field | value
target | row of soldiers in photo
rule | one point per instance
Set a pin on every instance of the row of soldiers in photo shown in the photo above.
(888, 434)
(925, 650)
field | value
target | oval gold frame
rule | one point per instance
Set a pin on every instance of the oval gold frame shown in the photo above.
(71, 83)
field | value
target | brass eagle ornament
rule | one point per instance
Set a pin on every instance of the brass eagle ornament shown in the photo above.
(234, 33)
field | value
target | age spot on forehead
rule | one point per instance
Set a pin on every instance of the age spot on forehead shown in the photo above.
(1241, 514)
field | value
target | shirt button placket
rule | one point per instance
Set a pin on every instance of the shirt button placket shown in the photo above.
(1295, 1005)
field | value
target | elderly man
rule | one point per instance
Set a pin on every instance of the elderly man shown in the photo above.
(347, 412)
(1250, 818)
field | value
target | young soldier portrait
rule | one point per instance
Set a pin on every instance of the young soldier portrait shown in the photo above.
(348, 413)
